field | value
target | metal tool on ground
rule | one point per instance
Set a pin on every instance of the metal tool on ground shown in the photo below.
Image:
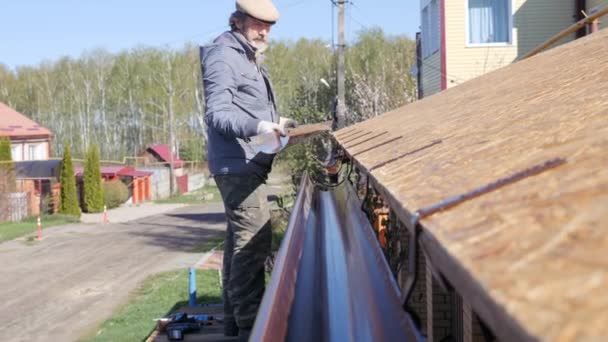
(181, 324)
(176, 331)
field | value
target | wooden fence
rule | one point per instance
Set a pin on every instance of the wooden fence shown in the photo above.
(13, 206)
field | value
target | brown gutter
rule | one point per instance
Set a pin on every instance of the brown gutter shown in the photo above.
(331, 281)
(22, 138)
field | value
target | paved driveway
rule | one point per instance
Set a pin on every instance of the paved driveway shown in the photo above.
(65, 285)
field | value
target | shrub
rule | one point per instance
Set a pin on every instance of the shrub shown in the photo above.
(7, 169)
(68, 199)
(115, 193)
(93, 192)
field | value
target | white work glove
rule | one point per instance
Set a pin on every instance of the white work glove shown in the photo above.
(286, 123)
(265, 127)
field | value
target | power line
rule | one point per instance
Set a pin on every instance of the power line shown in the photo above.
(333, 25)
(356, 21)
(341, 102)
(355, 6)
(334, 4)
(348, 20)
(353, 18)
(424, 63)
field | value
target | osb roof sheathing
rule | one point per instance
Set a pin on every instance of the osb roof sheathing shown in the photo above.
(537, 249)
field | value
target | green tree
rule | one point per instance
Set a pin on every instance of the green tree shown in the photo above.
(93, 190)
(377, 74)
(123, 101)
(7, 168)
(5, 149)
(68, 201)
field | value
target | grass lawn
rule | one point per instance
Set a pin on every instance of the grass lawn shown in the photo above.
(215, 241)
(208, 193)
(161, 294)
(279, 226)
(158, 296)
(12, 230)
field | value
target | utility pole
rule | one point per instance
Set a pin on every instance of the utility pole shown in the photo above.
(341, 106)
(171, 147)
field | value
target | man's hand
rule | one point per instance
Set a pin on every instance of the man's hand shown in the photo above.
(265, 127)
(286, 123)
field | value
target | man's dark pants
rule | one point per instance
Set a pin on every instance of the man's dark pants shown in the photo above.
(247, 245)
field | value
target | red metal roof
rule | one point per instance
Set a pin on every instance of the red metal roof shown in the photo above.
(16, 125)
(113, 171)
(131, 172)
(107, 171)
(162, 151)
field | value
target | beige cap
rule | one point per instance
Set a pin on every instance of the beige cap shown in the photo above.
(263, 10)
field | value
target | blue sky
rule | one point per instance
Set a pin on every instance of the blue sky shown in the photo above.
(36, 30)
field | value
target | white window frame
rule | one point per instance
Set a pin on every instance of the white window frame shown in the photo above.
(467, 28)
(37, 151)
(30, 148)
(17, 152)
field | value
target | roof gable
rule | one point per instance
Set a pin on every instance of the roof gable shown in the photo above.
(16, 125)
(162, 152)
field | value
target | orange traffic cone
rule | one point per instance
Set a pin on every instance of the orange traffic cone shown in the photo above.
(39, 228)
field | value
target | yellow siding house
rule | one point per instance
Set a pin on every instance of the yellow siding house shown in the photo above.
(463, 39)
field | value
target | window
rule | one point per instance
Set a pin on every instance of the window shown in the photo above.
(16, 152)
(430, 28)
(489, 21)
(35, 152)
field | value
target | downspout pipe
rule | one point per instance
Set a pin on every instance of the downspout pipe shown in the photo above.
(419, 65)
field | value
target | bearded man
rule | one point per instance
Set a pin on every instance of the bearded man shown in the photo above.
(240, 104)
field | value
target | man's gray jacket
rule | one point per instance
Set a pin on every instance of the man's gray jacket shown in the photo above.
(238, 96)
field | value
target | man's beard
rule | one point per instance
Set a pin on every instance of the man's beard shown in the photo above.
(260, 46)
